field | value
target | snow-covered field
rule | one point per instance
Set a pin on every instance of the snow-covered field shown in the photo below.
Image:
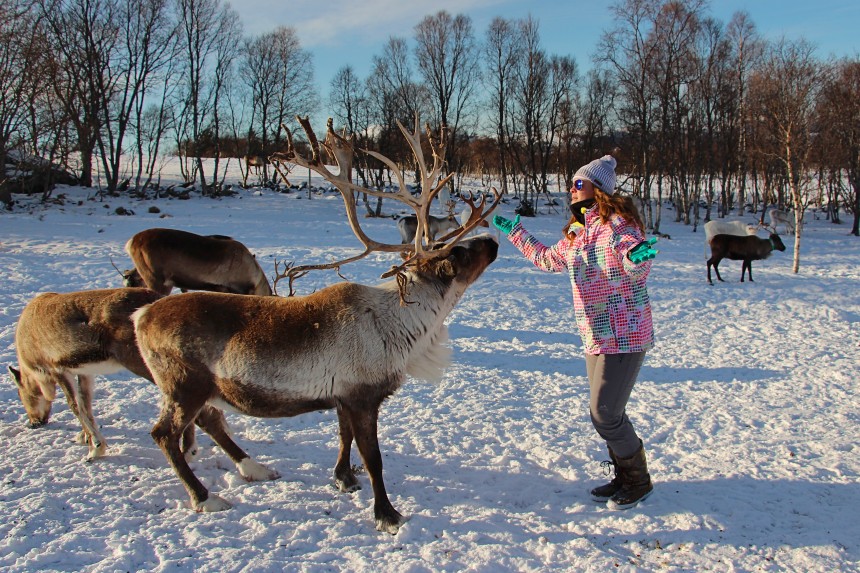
(748, 407)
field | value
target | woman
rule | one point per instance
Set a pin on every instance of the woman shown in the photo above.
(608, 259)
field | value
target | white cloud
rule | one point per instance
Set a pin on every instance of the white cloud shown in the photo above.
(341, 22)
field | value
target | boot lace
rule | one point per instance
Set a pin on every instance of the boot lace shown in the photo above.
(606, 467)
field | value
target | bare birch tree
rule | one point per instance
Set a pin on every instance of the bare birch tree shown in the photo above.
(838, 118)
(84, 36)
(393, 94)
(628, 53)
(295, 80)
(20, 56)
(503, 49)
(205, 29)
(350, 106)
(783, 94)
(447, 58)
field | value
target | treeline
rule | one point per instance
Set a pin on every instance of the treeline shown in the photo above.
(705, 113)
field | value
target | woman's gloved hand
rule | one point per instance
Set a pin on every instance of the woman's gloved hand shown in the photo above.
(505, 225)
(643, 251)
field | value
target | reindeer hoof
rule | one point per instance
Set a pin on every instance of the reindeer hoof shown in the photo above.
(255, 471)
(211, 504)
(97, 451)
(347, 485)
(191, 455)
(390, 524)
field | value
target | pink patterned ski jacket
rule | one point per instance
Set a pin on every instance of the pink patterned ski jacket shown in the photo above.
(610, 300)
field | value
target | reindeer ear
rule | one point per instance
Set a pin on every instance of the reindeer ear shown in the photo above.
(16, 374)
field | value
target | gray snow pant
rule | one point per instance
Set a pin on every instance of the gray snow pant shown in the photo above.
(611, 378)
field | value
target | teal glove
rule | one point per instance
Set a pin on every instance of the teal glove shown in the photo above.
(643, 251)
(505, 225)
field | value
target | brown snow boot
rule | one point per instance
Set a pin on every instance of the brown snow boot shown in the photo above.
(604, 492)
(635, 481)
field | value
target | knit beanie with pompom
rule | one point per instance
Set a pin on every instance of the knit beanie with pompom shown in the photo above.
(601, 172)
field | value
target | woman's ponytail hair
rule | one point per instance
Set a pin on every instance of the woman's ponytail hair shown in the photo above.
(622, 205)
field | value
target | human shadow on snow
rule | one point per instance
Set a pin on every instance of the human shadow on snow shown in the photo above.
(752, 514)
(535, 359)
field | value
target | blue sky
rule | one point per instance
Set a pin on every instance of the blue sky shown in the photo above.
(341, 32)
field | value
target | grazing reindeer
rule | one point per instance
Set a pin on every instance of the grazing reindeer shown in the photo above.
(167, 258)
(737, 248)
(67, 340)
(346, 347)
(255, 162)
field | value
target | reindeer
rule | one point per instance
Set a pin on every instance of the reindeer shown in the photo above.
(167, 258)
(779, 217)
(463, 218)
(255, 162)
(409, 224)
(739, 228)
(67, 340)
(747, 248)
(346, 347)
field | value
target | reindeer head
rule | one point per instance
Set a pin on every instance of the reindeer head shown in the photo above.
(777, 243)
(36, 393)
(423, 253)
(464, 263)
(132, 278)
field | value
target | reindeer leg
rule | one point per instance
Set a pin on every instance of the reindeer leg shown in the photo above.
(189, 443)
(212, 421)
(715, 264)
(98, 445)
(174, 418)
(69, 390)
(717, 271)
(344, 477)
(364, 425)
(83, 396)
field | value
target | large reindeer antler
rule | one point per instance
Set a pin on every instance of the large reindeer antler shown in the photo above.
(342, 149)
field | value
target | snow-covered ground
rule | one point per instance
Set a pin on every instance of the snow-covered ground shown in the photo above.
(748, 407)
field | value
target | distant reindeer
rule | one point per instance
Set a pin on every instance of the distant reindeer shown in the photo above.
(737, 248)
(779, 217)
(739, 228)
(408, 225)
(346, 347)
(722, 227)
(167, 258)
(255, 162)
(463, 217)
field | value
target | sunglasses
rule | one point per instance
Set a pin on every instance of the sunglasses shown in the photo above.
(578, 184)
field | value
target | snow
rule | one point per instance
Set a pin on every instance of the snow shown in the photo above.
(748, 407)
